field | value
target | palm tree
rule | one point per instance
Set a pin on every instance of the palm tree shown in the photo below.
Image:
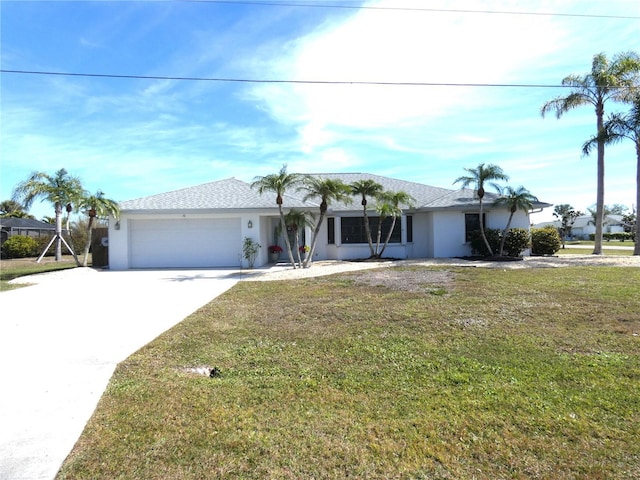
(608, 80)
(328, 191)
(278, 184)
(12, 209)
(59, 189)
(479, 176)
(514, 199)
(297, 220)
(364, 189)
(617, 128)
(96, 206)
(390, 206)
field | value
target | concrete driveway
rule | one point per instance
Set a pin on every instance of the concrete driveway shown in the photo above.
(60, 341)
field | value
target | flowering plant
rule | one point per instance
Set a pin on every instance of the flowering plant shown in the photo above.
(304, 249)
(275, 249)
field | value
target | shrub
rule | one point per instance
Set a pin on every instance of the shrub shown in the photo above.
(250, 250)
(477, 243)
(20, 246)
(518, 240)
(620, 236)
(545, 241)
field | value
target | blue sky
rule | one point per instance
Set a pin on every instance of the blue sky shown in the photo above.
(137, 137)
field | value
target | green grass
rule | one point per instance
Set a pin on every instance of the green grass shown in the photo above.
(14, 268)
(589, 251)
(605, 243)
(509, 374)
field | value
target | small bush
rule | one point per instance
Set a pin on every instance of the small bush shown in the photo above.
(477, 243)
(20, 246)
(619, 236)
(545, 241)
(518, 240)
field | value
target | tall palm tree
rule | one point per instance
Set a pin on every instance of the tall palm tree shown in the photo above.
(617, 128)
(390, 205)
(608, 80)
(328, 191)
(59, 189)
(366, 189)
(297, 220)
(278, 183)
(478, 177)
(514, 199)
(96, 206)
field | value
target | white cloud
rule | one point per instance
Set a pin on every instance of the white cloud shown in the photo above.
(399, 46)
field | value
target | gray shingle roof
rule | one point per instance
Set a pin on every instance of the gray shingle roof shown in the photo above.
(233, 194)
(25, 223)
(226, 194)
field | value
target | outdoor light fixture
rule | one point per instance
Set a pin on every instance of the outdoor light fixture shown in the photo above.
(117, 225)
(250, 224)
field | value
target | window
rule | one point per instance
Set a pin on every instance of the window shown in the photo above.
(353, 230)
(331, 231)
(472, 223)
(409, 228)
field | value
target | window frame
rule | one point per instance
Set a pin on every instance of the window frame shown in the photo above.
(467, 231)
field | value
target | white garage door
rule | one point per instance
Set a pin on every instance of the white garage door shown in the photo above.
(189, 243)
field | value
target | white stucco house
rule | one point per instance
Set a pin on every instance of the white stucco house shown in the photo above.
(584, 226)
(204, 225)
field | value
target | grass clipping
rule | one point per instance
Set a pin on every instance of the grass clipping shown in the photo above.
(420, 373)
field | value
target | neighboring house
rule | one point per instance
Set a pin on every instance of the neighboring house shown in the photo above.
(29, 227)
(584, 226)
(204, 226)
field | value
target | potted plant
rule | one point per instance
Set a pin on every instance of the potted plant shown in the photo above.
(274, 253)
(304, 249)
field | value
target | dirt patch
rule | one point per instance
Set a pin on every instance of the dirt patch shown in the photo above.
(422, 280)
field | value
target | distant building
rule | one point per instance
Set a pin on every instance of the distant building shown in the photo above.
(584, 226)
(28, 227)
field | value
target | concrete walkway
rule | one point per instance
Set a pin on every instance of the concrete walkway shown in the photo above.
(60, 341)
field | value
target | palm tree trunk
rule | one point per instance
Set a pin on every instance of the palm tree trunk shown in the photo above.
(286, 237)
(378, 238)
(87, 244)
(504, 234)
(58, 210)
(597, 247)
(367, 230)
(484, 237)
(314, 240)
(296, 237)
(636, 249)
(386, 241)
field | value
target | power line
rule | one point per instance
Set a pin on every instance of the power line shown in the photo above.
(281, 81)
(411, 9)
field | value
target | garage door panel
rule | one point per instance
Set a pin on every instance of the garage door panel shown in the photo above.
(189, 243)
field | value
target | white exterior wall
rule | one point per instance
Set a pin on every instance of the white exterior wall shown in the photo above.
(448, 235)
(120, 235)
(449, 230)
(438, 234)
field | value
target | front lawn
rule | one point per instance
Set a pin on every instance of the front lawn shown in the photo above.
(589, 250)
(19, 267)
(413, 373)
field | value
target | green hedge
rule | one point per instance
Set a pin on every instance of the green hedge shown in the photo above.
(545, 241)
(19, 246)
(517, 241)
